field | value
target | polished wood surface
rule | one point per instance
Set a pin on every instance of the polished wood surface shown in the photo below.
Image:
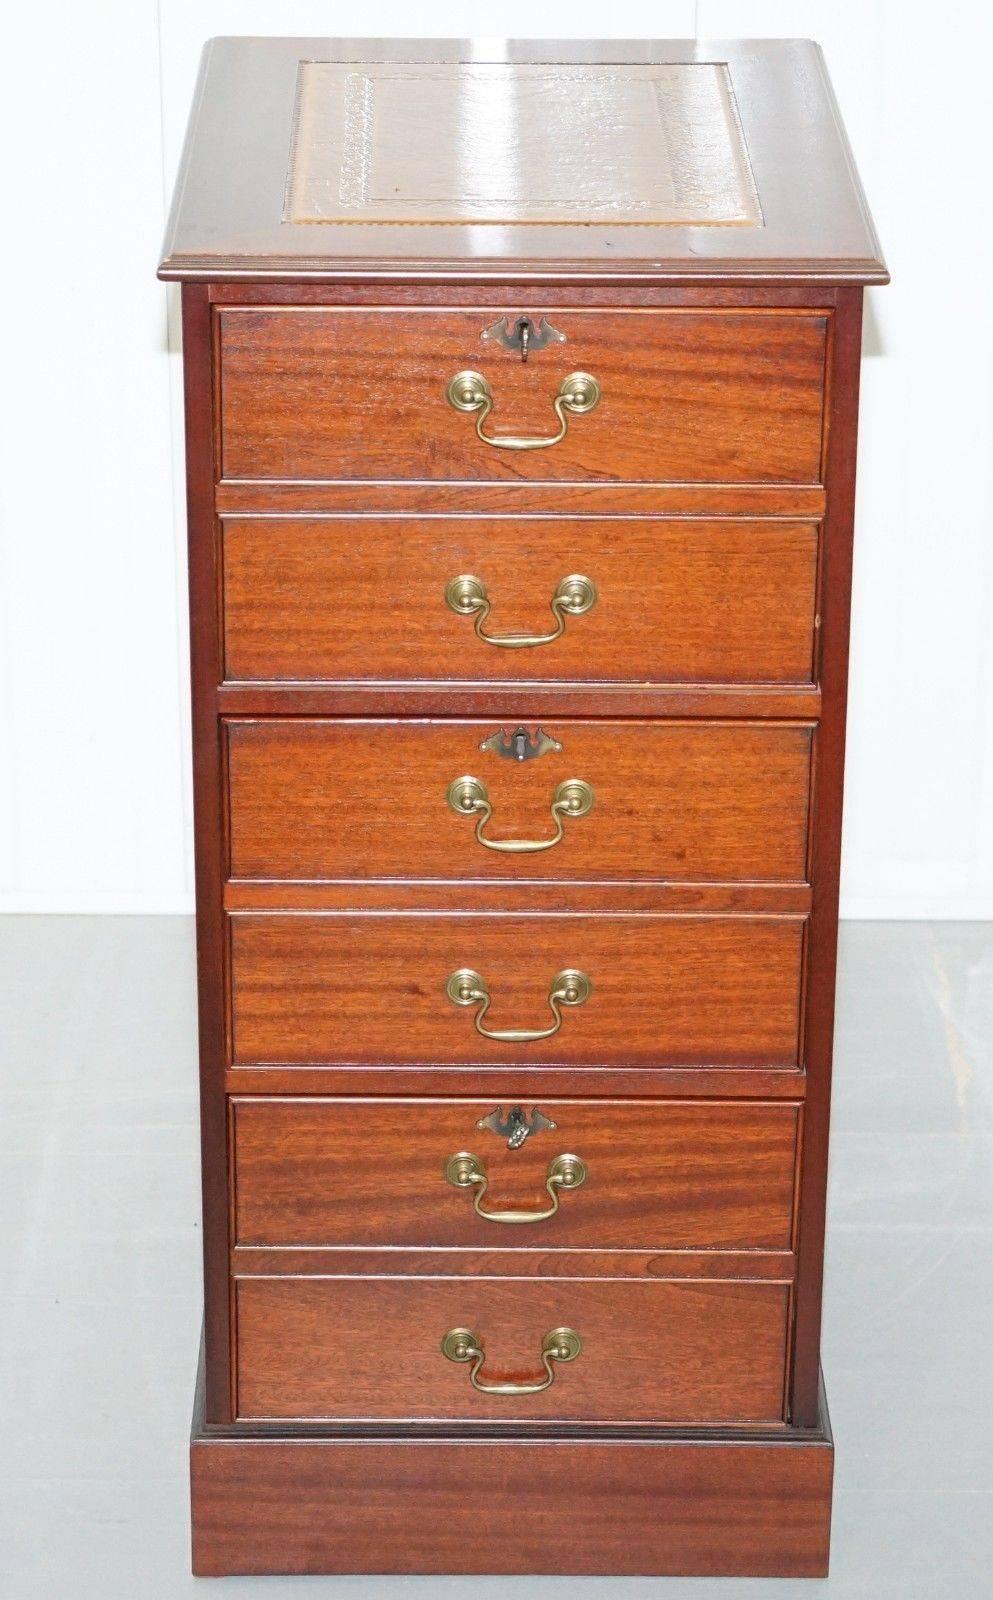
(836, 588)
(706, 396)
(228, 218)
(540, 894)
(514, 1260)
(205, 671)
(274, 497)
(679, 601)
(525, 1082)
(369, 1348)
(669, 1507)
(352, 988)
(673, 1176)
(499, 701)
(367, 799)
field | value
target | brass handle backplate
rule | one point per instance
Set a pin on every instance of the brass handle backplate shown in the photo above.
(468, 797)
(466, 1171)
(469, 391)
(560, 1344)
(468, 988)
(467, 596)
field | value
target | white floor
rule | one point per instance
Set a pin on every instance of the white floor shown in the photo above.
(99, 1309)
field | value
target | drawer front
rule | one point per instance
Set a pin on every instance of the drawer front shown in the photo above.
(683, 801)
(677, 601)
(339, 988)
(655, 1175)
(705, 396)
(652, 1351)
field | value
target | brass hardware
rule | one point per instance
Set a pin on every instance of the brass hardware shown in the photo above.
(520, 745)
(469, 391)
(466, 1171)
(468, 797)
(515, 1127)
(524, 335)
(468, 597)
(560, 1344)
(468, 988)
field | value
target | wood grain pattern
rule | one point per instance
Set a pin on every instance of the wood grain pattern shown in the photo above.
(514, 1261)
(704, 396)
(520, 702)
(367, 799)
(646, 293)
(274, 497)
(205, 671)
(368, 1348)
(533, 894)
(716, 1507)
(371, 1172)
(679, 601)
(371, 988)
(835, 602)
(525, 1082)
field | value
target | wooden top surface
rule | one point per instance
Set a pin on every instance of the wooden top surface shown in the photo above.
(318, 159)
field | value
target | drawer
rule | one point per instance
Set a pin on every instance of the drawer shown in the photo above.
(654, 1175)
(685, 396)
(387, 988)
(677, 600)
(683, 801)
(651, 1351)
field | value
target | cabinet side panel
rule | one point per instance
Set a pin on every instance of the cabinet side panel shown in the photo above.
(825, 845)
(205, 663)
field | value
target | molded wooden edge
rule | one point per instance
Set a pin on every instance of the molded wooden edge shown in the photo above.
(796, 702)
(187, 268)
(733, 1083)
(266, 1503)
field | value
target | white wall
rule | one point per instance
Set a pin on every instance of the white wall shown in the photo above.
(94, 768)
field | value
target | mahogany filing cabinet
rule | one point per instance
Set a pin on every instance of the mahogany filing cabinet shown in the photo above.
(521, 402)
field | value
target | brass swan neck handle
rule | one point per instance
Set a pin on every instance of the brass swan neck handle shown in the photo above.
(466, 1171)
(469, 391)
(559, 1344)
(469, 797)
(468, 596)
(468, 988)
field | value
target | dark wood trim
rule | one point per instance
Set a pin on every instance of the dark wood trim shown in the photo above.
(403, 499)
(695, 1083)
(825, 854)
(205, 669)
(714, 899)
(331, 1262)
(505, 293)
(796, 703)
(684, 1504)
